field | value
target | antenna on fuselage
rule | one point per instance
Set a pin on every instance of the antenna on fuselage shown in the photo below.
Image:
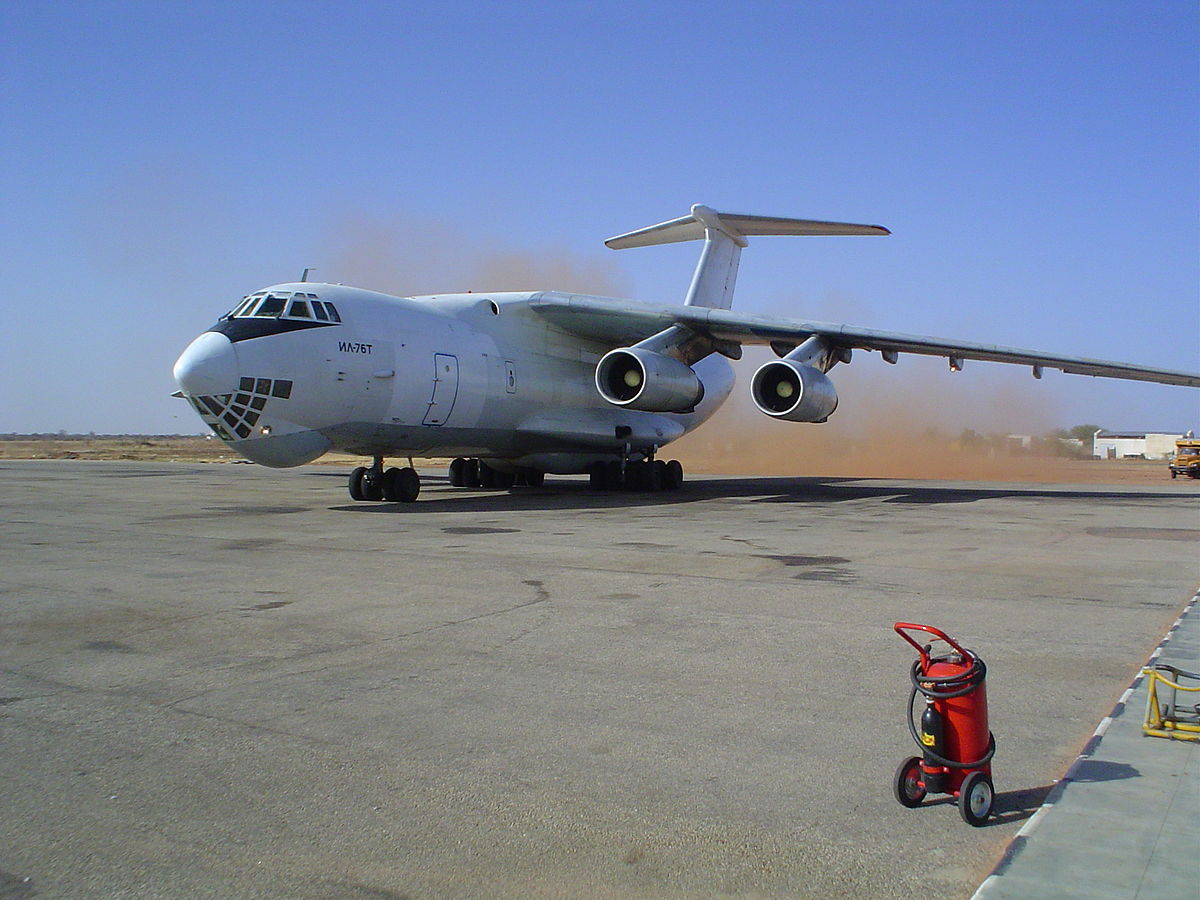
(304, 277)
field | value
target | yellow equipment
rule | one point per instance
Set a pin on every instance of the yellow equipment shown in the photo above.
(1169, 719)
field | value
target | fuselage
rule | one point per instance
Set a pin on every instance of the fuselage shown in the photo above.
(299, 369)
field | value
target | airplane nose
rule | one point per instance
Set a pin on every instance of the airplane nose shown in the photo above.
(207, 366)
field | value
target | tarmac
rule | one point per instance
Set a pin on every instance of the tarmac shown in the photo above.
(227, 681)
(1124, 822)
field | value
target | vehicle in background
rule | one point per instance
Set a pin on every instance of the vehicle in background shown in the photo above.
(1187, 458)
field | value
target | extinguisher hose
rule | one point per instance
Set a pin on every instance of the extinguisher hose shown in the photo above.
(947, 688)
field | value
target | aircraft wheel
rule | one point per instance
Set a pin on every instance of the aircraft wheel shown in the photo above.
(634, 479)
(471, 473)
(504, 480)
(613, 479)
(407, 484)
(390, 486)
(659, 478)
(534, 477)
(975, 798)
(457, 467)
(487, 476)
(356, 483)
(596, 476)
(371, 488)
(673, 475)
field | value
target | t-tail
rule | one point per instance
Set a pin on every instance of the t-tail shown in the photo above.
(724, 237)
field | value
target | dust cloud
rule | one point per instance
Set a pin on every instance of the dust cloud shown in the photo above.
(409, 257)
(902, 421)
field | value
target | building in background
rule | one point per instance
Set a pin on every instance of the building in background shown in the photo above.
(1134, 444)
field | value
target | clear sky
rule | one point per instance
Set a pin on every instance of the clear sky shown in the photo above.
(1037, 162)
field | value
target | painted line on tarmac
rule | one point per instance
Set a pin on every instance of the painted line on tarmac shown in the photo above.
(1089, 749)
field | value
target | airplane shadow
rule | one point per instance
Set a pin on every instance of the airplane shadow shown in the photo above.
(438, 496)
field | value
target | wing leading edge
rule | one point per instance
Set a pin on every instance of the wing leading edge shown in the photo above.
(617, 322)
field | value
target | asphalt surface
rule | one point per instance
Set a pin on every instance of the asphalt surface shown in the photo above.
(225, 681)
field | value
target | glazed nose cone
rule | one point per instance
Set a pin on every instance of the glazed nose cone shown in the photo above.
(207, 366)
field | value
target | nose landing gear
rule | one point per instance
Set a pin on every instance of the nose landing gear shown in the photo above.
(394, 485)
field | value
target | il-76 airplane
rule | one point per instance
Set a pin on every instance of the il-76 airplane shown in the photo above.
(518, 385)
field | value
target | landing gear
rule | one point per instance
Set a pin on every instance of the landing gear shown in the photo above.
(637, 475)
(475, 473)
(395, 485)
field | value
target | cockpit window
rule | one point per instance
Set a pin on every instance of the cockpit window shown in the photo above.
(270, 308)
(333, 313)
(298, 310)
(319, 311)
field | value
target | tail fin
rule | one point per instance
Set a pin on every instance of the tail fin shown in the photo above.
(724, 237)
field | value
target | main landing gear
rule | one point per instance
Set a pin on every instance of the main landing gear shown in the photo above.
(475, 473)
(640, 475)
(394, 485)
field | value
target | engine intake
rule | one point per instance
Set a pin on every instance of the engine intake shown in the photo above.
(641, 379)
(786, 389)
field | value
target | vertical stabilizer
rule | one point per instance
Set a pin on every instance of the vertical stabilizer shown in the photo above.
(724, 237)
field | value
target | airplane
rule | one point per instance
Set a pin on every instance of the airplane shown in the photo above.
(517, 385)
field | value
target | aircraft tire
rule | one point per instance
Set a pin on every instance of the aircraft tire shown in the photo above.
(673, 475)
(634, 480)
(658, 479)
(456, 471)
(535, 477)
(487, 476)
(654, 473)
(372, 489)
(356, 483)
(613, 480)
(504, 480)
(390, 486)
(407, 483)
(596, 476)
(471, 473)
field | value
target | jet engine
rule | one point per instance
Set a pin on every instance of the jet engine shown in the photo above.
(637, 378)
(791, 390)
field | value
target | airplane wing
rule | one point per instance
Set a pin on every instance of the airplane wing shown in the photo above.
(623, 322)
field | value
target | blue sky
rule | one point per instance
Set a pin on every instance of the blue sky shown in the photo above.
(1038, 164)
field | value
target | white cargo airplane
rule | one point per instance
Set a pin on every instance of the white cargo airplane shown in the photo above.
(516, 385)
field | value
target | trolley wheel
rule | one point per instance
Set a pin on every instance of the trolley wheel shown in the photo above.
(975, 798)
(909, 789)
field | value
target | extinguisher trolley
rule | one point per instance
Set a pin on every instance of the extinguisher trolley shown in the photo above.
(956, 745)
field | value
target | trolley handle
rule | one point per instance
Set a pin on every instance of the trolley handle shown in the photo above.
(902, 627)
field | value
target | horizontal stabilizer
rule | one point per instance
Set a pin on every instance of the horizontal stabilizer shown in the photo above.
(736, 225)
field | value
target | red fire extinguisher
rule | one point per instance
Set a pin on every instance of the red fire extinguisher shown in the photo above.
(956, 745)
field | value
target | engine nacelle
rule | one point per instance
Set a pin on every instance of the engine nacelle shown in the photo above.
(641, 379)
(786, 389)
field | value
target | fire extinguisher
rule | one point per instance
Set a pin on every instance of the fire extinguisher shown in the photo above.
(956, 744)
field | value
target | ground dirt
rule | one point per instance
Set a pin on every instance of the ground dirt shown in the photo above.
(721, 453)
